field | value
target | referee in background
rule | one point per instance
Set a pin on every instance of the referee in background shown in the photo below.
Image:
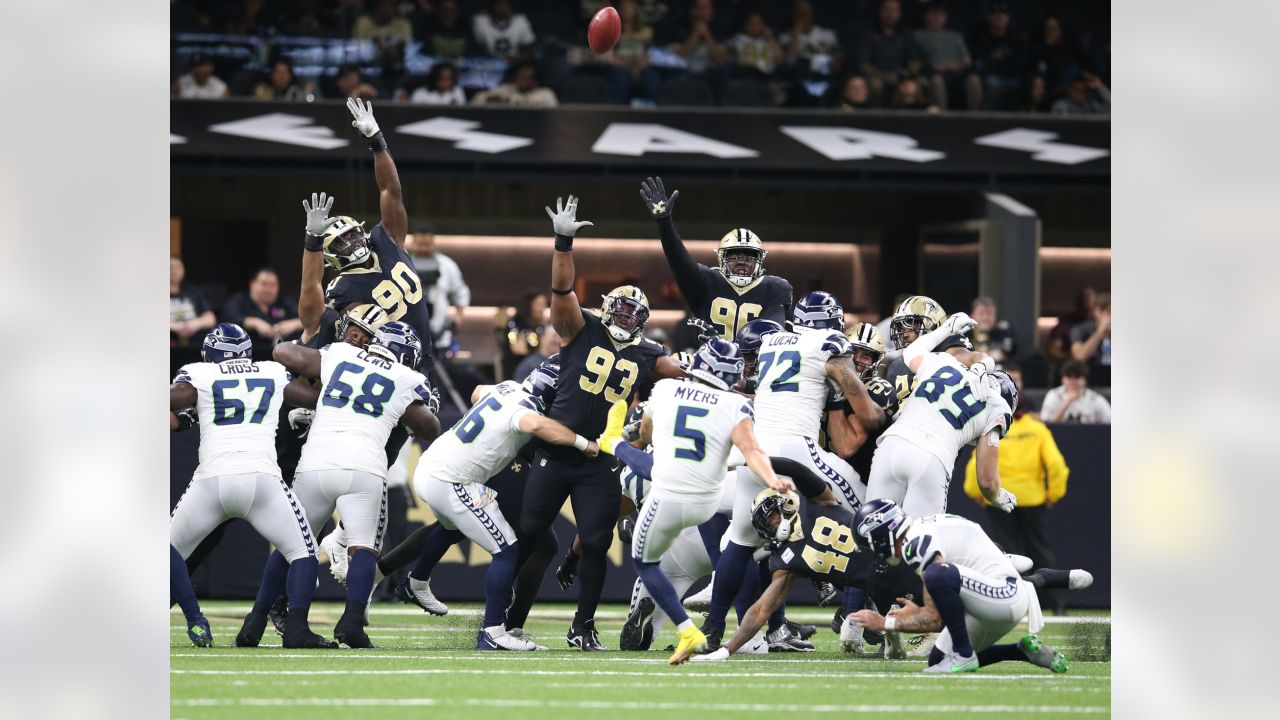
(1033, 469)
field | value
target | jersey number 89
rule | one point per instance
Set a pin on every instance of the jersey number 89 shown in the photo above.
(596, 370)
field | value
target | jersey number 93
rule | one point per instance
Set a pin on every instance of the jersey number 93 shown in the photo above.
(597, 369)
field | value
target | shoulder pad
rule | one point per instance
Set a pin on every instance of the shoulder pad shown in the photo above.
(183, 376)
(837, 344)
(880, 391)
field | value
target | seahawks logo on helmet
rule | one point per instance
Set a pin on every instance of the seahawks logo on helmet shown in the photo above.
(542, 382)
(917, 314)
(345, 243)
(877, 525)
(866, 337)
(398, 342)
(741, 257)
(819, 310)
(718, 363)
(624, 312)
(225, 342)
(787, 505)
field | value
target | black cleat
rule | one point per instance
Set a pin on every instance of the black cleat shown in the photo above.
(804, 631)
(783, 640)
(298, 634)
(251, 631)
(637, 631)
(715, 635)
(350, 630)
(584, 637)
(279, 614)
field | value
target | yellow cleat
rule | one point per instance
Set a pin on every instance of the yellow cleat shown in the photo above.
(613, 429)
(691, 641)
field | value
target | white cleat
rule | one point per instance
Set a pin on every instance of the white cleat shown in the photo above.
(895, 648)
(519, 632)
(755, 646)
(496, 638)
(701, 600)
(1080, 579)
(851, 635)
(335, 546)
(1021, 563)
(953, 663)
(412, 591)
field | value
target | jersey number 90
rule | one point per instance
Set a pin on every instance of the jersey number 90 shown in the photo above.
(596, 370)
(397, 294)
(729, 316)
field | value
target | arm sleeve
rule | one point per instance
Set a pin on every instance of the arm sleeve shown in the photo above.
(683, 266)
(1055, 465)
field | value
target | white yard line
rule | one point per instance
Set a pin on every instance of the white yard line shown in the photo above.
(454, 656)
(647, 705)
(684, 673)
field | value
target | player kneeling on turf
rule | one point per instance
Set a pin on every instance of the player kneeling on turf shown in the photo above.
(692, 424)
(972, 592)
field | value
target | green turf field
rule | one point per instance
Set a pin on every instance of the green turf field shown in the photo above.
(425, 667)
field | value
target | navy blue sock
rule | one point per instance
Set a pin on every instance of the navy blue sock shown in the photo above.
(1000, 653)
(748, 593)
(499, 581)
(943, 582)
(274, 575)
(180, 589)
(854, 599)
(360, 574)
(434, 547)
(711, 531)
(660, 587)
(729, 573)
(300, 583)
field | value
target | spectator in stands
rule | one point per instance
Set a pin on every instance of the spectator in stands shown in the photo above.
(1000, 58)
(1073, 401)
(442, 283)
(1058, 349)
(446, 32)
(548, 344)
(281, 85)
(947, 58)
(909, 96)
(696, 42)
(1085, 96)
(268, 316)
(350, 83)
(189, 311)
(518, 329)
(503, 33)
(856, 95)
(200, 83)
(1091, 340)
(1056, 57)
(808, 45)
(383, 23)
(755, 47)
(631, 55)
(1032, 468)
(441, 87)
(522, 91)
(887, 51)
(992, 336)
(1037, 100)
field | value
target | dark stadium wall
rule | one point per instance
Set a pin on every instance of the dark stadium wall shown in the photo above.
(1079, 531)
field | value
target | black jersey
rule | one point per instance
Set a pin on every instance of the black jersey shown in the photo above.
(390, 282)
(882, 393)
(904, 381)
(596, 372)
(713, 298)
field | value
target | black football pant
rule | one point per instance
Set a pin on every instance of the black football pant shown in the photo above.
(594, 493)
(1023, 532)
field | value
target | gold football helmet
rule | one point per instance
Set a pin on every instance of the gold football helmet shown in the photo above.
(624, 311)
(769, 501)
(866, 337)
(916, 315)
(365, 318)
(741, 256)
(345, 243)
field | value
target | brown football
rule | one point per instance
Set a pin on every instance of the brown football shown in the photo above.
(604, 30)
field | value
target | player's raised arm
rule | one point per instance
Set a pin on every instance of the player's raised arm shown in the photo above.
(311, 295)
(987, 458)
(298, 359)
(566, 313)
(683, 266)
(395, 220)
(556, 433)
(840, 368)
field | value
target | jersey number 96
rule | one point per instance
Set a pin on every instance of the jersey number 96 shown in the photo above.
(730, 316)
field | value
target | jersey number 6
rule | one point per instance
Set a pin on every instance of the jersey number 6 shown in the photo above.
(596, 371)
(396, 297)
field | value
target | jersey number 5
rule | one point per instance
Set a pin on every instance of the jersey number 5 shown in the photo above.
(596, 371)
(835, 536)
(396, 297)
(682, 430)
(731, 316)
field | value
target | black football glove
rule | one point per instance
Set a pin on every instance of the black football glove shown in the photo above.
(655, 197)
(705, 331)
(627, 527)
(187, 419)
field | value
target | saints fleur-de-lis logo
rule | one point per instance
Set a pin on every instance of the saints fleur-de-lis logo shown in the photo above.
(660, 207)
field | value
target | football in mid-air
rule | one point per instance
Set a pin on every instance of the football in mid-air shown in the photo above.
(604, 30)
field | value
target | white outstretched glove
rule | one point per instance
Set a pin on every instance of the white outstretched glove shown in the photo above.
(851, 635)
(1006, 501)
(300, 419)
(564, 220)
(982, 384)
(959, 324)
(317, 210)
(721, 653)
(362, 111)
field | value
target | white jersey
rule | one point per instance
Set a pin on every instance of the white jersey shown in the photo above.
(692, 435)
(484, 441)
(960, 541)
(361, 402)
(941, 416)
(238, 402)
(792, 391)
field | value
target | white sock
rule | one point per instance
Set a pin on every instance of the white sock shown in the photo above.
(686, 625)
